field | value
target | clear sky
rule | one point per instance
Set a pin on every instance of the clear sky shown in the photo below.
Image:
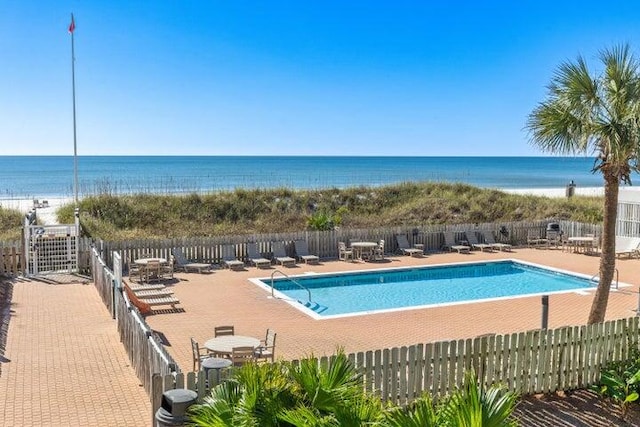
(161, 77)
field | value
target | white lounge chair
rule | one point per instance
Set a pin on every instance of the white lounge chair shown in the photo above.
(629, 246)
(451, 243)
(280, 254)
(534, 238)
(302, 252)
(256, 257)
(472, 238)
(490, 240)
(405, 247)
(229, 258)
(185, 265)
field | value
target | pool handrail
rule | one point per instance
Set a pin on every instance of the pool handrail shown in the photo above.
(597, 276)
(290, 279)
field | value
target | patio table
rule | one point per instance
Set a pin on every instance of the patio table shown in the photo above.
(143, 262)
(363, 249)
(226, 343)
(584, 242)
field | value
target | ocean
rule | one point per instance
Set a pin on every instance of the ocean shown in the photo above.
(52, 176)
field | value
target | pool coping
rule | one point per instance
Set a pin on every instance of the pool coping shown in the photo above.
(261, 282)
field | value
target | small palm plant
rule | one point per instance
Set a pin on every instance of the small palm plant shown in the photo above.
(473, 406)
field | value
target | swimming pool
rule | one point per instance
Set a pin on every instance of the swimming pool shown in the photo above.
(365, 292)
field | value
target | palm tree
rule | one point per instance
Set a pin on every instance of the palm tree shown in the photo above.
(595, 115)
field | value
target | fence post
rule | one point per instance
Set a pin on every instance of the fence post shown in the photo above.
(545, 311)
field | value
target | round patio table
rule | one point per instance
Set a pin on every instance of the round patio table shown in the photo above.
(145, 261)
(226, 343)
(361, 249)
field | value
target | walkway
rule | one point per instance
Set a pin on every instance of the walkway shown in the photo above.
(63, 362)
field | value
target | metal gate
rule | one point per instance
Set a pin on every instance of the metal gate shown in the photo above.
(51, 249)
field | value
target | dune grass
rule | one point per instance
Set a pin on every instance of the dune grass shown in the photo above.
(119, 217)
(10, 225)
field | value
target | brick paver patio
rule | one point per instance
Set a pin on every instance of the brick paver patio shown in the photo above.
(227, 297)
(66, 365)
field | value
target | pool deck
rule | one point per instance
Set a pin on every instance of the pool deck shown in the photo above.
(228, 297)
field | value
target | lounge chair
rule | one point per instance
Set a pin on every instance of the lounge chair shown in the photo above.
(490, 240)
(405, 247)
(256, 257)
(451, 243)
(534, 238)
(280, 254)
(472, 239)
(629, 246)
(229, 258)
(185, 265)
(302, 252)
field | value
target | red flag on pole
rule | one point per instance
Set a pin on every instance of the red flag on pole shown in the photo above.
(72, 26)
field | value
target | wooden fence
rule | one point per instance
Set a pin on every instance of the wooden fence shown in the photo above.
(11, 259)
(145, 350)
(325, 243)
(538, 361)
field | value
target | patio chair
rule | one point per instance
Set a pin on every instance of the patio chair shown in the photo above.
(166, 270)
(198, 355)
(229, 258)
(302, 252)
(280, 254)
(267, 348)
(452, 244)
(378, 252)
(182, 263)
(405, 248)
(344, 253)
(629, 246)
(219, 331)
(256, 257)
(489, 239)
(472, 239)
(152, 271)
(242, 355)
(135, 272)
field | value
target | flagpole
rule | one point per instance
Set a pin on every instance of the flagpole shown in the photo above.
(72, 27)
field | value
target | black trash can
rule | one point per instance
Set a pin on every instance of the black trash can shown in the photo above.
(172, 411)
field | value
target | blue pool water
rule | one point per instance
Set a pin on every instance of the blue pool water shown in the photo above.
(383, 290)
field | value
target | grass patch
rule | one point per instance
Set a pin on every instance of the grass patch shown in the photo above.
(280, 210)
(11, 222)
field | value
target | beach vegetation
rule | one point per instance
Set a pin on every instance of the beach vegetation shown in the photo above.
(240, 212)
(599, 114)
(308, 393)
(11, 221)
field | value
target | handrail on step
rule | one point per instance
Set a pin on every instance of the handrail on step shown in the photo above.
(290, 279)
(597, 276)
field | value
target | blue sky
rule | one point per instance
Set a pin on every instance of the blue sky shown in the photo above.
(290, 77)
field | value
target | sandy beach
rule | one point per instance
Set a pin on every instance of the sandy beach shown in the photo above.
(46, 215)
